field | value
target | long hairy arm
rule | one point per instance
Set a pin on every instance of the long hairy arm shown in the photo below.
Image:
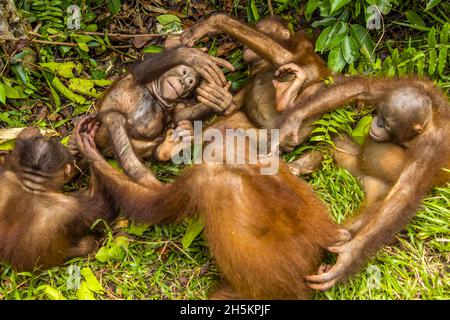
(388, 216)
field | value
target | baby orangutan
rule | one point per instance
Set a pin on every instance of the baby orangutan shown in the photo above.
(137, 110)
(39, 225)
(404, 155)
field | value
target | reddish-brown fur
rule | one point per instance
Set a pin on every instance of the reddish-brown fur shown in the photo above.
(39, 225)
(265, 232)
(396, 173)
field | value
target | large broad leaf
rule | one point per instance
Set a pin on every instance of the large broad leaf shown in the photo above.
(331, 37)
(364, 41)
(336, 61)
(349, 49)
(338, 4)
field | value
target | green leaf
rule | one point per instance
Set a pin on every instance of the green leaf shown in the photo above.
(152, 49)
(432, 62)
(83, 86)
(311, 6)
(83, 46)
(114, 5)
(137, 229)
(357, 8)
(194, 228)
(83, 292)
(113, 251)
(52, 293)
(431, 4)
(166, 19)
(420, 65)
(61, 88)
(7, 145)
(364, 41)
(81, 38)
(415, 19)
(2, 93)
(91, 28)
(91, 280)
(52, 31)
(14, 92)
(325, 22)
(362, 129)
(442, 60)
(255, 12)
(332, 36)
(102, 83)
(337, 4)
(383, 5)
(349, 49)
(65, 69)
(432, 38)
(336, 61)
(444, 34)
(19, 72)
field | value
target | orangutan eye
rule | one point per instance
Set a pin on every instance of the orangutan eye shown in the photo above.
(380, 122)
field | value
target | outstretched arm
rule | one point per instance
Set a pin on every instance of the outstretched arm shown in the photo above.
(116, 125)
(263, 45)
(325, 100)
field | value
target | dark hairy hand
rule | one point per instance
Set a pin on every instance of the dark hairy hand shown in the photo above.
(339, 272)
(85, 139)
(207, 66)
(208, 26)
(216, 97)
(289, 129)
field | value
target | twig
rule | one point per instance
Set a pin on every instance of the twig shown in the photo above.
(123, 36)
(2, 296)
(55, 43)
(269, 3)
